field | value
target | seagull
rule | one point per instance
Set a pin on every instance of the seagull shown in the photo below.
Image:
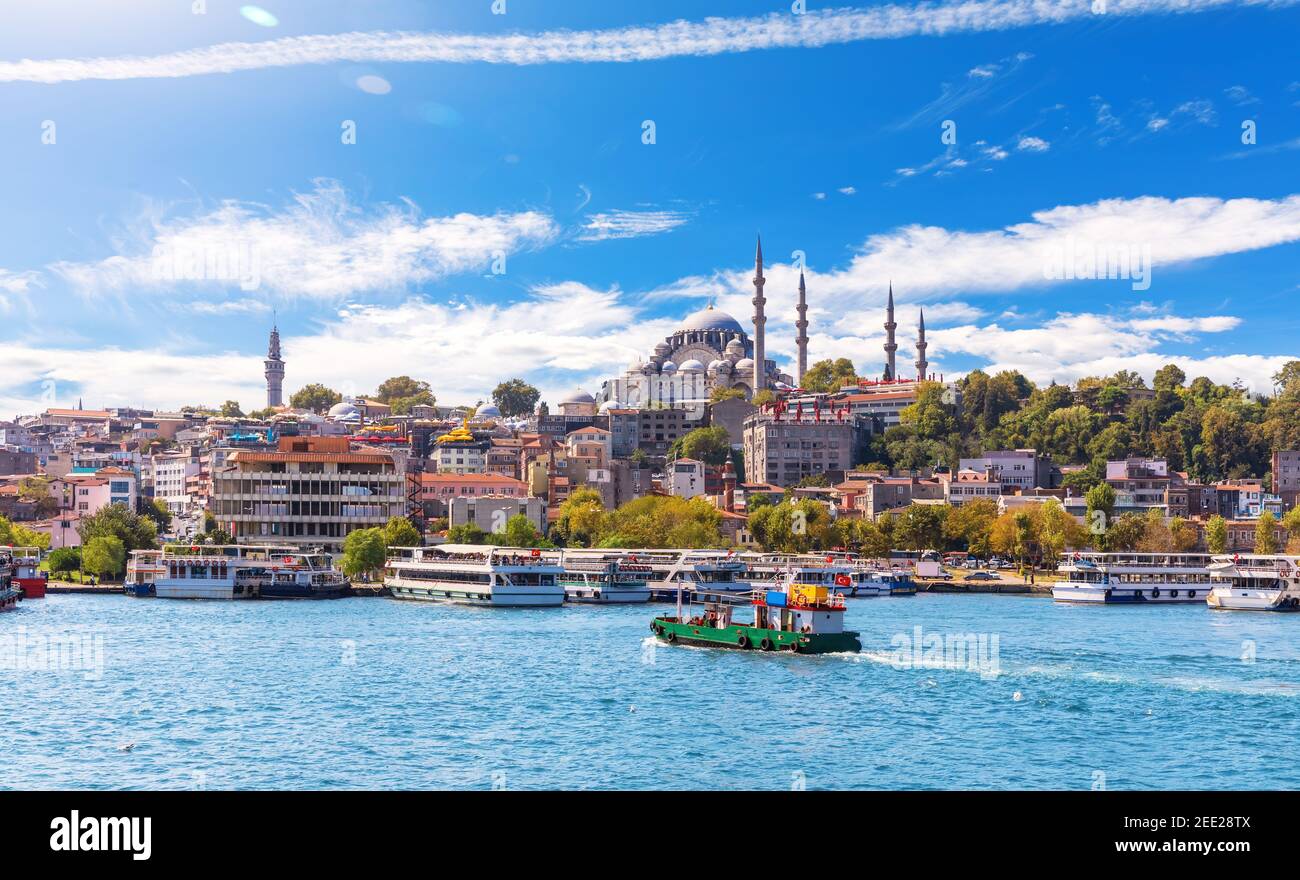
(126, 747)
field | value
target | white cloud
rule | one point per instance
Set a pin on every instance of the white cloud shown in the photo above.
(712, 36)
(848, 190)
(631, 224)
(1033, 145)
(1070, 346)
(320, 246)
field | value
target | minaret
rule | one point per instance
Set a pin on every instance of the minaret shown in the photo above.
(760, 363)
(890, 345)
(802, 324)
(922, 365)
(274, 371)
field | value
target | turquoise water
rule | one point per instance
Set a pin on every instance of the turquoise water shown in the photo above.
(375, 693)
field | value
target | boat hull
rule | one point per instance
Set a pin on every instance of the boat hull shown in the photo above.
(33, 588)
(194, 590)
(1251, 600)
(9, 599)
(743, 637)
(295, 591)
(456, 594)
(1099, 594)
(586, 595)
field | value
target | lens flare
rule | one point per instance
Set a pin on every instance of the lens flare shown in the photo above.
(258, 15)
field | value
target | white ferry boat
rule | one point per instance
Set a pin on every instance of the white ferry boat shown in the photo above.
(1249, 582)
(231, 571)
(1133, 577)
(610, 579)
(476, 574)
(875, 582)
(704, 572)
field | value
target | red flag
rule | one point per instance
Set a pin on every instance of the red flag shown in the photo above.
(843, 580)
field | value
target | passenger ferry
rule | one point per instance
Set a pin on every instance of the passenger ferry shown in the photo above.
(1132, 577)
(222, 571)
(1250, 582)
(874, 582)
(798, 618)
(27, 575)
(142, 569)
(233, 572)
(771, 570)
(611, 579)
(9, 593)
(476, 574)
(710, 572)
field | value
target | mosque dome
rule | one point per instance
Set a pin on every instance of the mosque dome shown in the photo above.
(488, 411)
(692, 365)
(715, 365)
(344, 412)
(736, 347)
(662, 349)
(668, 367)
(744, 364)
(608, 405)
(724, 367)
(711, 319)
(578, 398)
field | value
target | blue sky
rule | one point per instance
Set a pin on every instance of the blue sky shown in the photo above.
(1094, 132)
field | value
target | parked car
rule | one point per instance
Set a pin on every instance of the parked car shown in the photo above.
(981, 576)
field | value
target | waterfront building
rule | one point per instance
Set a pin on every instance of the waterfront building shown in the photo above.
(459, 451)
(1016, 469)
(171, 474)
(435, 491)
(1246, 499)
(685, 478)
(491, 512)
(1140, 484)
(311, 490)
(783, 445)
(970, 485)
(1286, 476)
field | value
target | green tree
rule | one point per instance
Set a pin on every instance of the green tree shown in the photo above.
(520, 532)
(971, 526)
(1265, 533)
(829, 375)
(64, 560)
(582, 519)
(315, 397)
(1100, 513)
(14, 535)
(402, 392)
(230, 410)
(401, 532)
(1216, 535)
(363, 553)
(515, 397)
(467, 533)
(104, 556)
(763, 397)
(921, 527)
(710, 445)
(114, 520)
(156, 510)
(721, 393)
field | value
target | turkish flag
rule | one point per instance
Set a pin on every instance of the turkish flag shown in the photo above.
(843, 580)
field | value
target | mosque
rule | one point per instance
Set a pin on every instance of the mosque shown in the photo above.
(709, 350)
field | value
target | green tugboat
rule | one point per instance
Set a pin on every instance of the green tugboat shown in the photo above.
(802, 618)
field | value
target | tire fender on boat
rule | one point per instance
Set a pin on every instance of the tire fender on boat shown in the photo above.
(743, 641)
(766, 644)
(672, 637)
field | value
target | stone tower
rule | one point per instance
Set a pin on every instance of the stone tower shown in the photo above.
(274, 371)
(802, 324)
(922, 365)
(891, 346)
(760, 356)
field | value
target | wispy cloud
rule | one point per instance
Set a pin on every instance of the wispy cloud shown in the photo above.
(1030, 144)
(631, 224)
(711, 36)
(321, 245)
